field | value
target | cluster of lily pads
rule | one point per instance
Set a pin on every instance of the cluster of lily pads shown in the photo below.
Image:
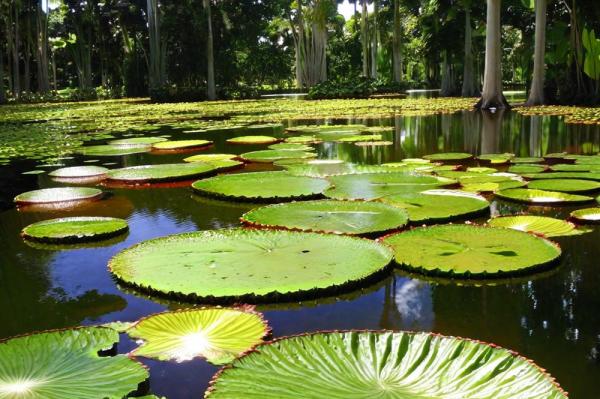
(319, 227)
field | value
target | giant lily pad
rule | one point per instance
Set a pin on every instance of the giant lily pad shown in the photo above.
(261, 186)
(268, 156)
(439, 205)
(378, 185)
(75, 229)
(386, 365)
(216, 334)
(542, 225)
(526, 168)
(449, 156)
(496, 159)
(587, 215)
(58, 194)
(137, 141)
(161, 172)
(253, 140)
(78, 172)
(564, 175)
(181, 145)
(112, 150)
(329, 216)
(250, 265)
(532, 196)
(65, 365)
(471, 251)
(565, 185)
(209, 158)
(291, 146)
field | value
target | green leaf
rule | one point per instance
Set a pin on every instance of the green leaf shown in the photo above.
(112, 150)
(65, 365)
(253, 265)
(137, 141)
(541, 225)
(162, 172)
(75, 229)
(381, 364)
(329, 216)
(268, 156)
(77, 172)
(209, 158)
(181, 145)
(587, 215)
(471, 251)
(449, 156)
(58, 194)
(253, 140)
(291, 146)
(217, 334)
(541, 197)
(565, 185)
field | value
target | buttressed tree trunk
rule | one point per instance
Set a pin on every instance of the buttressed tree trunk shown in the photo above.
(536, 94)
(492, 96)
(210, 59)
(469, 86)
(364, 39)
(396, 49)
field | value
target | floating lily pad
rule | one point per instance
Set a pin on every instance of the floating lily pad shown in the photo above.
(111, 150)
(492, 187)
(329, 167)
(358, 138)
(449, 156)
(261, 186)
(564, 175)
(208, 158)
(75, 229)
(34, 172)
(566, 167)
(267, 156)
(329, 216)
(378, 185)
(439, 205)
(525, 160)
(588, 215)
(496, 159)
(481, 169)
(526, 168)
(376, 143)
(532, 196)
(250, 265)
(65, 365)
(565, 185)
(161, 172)
(265, 126)
(253, 140)
(181, 145)
(382, 364)
(303, 140)
(217, 334)
(291, 146)
(77, 172)
(419, 161)
(542, 225)
(59, 194)
(137, 141)
(471, 251)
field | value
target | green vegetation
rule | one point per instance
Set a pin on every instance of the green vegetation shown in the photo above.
(75, 229)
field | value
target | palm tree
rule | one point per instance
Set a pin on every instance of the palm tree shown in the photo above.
(536, 94)
(210, 57)
(469, 86)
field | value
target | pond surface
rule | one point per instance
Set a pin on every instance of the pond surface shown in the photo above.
(552, 318)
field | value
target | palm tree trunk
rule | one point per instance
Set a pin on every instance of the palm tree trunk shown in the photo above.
(492, 96)
(536, 94)
(2, 89)
(469, 87)
(210, 58)
(364, 39)
(15, 70)
(396, 44)
(375, 40)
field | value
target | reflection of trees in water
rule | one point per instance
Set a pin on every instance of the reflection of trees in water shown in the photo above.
(491, 131)
(407, 305)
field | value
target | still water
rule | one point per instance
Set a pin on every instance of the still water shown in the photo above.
(552, 318)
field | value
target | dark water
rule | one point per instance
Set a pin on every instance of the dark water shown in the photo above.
(552, 318)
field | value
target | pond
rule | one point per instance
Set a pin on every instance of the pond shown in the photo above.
(551, 317)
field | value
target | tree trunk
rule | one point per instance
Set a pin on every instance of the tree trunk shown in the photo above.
(210, 58)
(364, 39)
(469, 87)
(54, 71)
(536, 94)
(157, 67)
(2, 89)
(375, 40)
(15, 69)
(492, 96)
(447, 87)
(396, 44)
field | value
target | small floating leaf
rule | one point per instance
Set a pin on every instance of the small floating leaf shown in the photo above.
(542, 225)
(588, 215)
(76, 172)
(59, 194)
(75, 229)
(449, 156)
(565, 185)
(253, 140)
(161, 172)
(532, 196)
(268, 156)
(181, 145)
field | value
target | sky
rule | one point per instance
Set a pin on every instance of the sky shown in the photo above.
(347, 9)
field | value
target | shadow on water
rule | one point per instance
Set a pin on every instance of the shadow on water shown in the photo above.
(551, 318)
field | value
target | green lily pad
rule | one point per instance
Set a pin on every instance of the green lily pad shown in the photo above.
(496, 159)
(359, 138)
(449, 156)
(65, 365)
(137, 141)
(330, 167)
(567, 167)
(526, 168)
(481, 169)
(265, 126)
(181, 145)
(541, 197)
(250, 265)
(208, 158)
(76, 172)
(524, 160)
(261, 186)
(34, 172)
(378, 185)
(587, 215)
(253, 140)
(161, 172)
(471, 251)
(111, 150)
(419, 161)
(59, 194)
(565, 185)
(492, 187)
(564, 175)
(382, 364)
(75, 229)
(374, 143)
(291, 146)
(303, 140)
(268, 156)
(217, 334)
(439, 205)
(329, 216)
(541, 225)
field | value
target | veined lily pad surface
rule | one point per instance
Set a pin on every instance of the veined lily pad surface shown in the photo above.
(137, 141)
(386, 365)
(75, 229)
(261, 186)
(532, 196)
(291, 146)
(471, 251)
(565, 185)
(208, 158)
(587, 215)
(65, 365)
(542, 225)
(329, 216)
(449, 156)
(253, 140)
(250, 265)
(180, 145)
(216, 334)
(112, 150)
(268, 156)
(161, 172)
(58, 194)
(75, 172)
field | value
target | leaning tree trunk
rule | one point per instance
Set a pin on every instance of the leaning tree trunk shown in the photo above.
(492, 96)
(469, 86)
(364, 39)
(536, 94)
(210, 58)
(396, 49)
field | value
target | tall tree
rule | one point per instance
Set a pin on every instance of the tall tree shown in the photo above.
(536, 94)
(43, 79)
(364, 38)
(492, 96)
(210, 58)
(469, 86)
(375, 40)
(396, 43)
(16, 75)
(158, 48)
